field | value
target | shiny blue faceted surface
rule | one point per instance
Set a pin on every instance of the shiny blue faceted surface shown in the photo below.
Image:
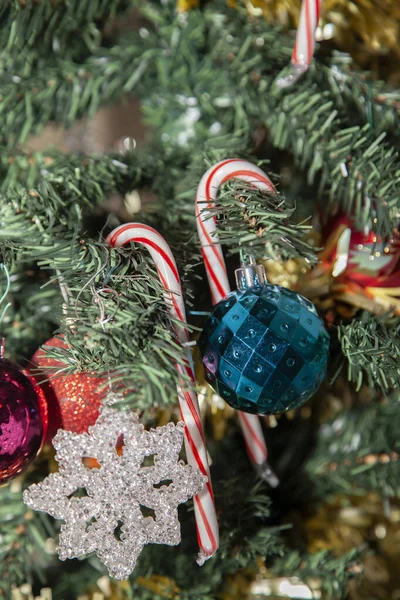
(265, 351)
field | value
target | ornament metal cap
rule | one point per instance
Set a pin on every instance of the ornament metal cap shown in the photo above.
(250, 275)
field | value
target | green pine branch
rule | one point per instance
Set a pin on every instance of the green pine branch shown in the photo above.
(31, 29)
(342, 147)
(358, 451)
(272, 230)
(331, 573)
(64, 186)
(33, 313)
(371, 347)
(23, 550)
(50, 225)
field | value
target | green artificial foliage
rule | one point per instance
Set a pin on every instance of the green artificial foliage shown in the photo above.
(358, 451)
(23, 551)
(334, 572)
(33, 311)
(206, 81)
(271, 229)
(371, 346)
(343, 146)
(30, 27)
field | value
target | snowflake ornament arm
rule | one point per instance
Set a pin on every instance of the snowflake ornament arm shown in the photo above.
(117, 507)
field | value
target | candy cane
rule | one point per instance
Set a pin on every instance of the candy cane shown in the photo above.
(206, 519)
(303, 50)
(217, 275)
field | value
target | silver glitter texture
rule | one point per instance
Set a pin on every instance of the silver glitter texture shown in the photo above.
(122, 503)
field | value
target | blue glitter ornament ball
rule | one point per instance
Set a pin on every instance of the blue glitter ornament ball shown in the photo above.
(265, 349)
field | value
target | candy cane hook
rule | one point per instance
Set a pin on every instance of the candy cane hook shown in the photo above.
(206, 519)
(304, 46)
(233, 168)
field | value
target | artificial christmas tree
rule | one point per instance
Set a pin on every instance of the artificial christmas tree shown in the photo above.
(206, 76)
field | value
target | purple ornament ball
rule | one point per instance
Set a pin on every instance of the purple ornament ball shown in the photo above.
(23, 421)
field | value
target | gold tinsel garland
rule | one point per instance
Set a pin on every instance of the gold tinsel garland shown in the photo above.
(346, 522)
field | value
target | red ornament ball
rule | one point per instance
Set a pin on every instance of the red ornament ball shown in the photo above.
(23, 421)
(371, 261)
(73, 400)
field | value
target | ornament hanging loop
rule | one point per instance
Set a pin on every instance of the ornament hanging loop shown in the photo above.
(97, 299)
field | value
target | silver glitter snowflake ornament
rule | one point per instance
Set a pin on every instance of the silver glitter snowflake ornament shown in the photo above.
(123, 503)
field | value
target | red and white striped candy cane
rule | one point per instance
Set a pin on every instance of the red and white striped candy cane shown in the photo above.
(303, 50)
(233, 168)
(206, 519)
(305, 38)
